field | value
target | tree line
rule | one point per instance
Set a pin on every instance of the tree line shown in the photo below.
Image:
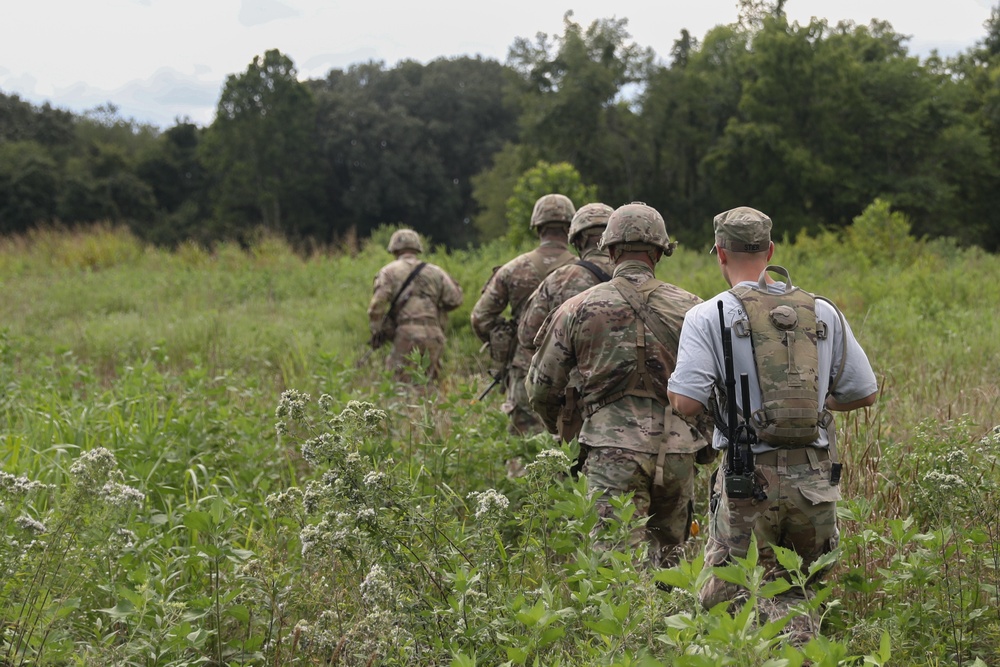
(810, 123)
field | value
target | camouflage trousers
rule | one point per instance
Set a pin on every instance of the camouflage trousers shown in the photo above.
(799, 513)
(669, 507)
(428, 339)
(523, 420)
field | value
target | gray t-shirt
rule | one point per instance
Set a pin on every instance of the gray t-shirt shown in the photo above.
(701, 368)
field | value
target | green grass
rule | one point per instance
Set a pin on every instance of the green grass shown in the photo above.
(175, 363)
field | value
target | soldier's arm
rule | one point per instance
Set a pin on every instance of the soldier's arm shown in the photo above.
(490, 305)
(857, 386)
(379, 304)
(834, 404)
(534, 313)
(685, 405)
(451, 292)
(548, 373)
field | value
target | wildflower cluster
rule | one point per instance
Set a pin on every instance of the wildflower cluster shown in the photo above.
(944, 482)
(323, 449)
(291, 407)
(12, 487)
(491, 505)
(27, 524)
(95, 477)
(116, 494)
(377, 591)
(548, 464)
(93, 468)
(287, 503)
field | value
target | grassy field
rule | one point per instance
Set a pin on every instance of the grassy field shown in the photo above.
(195, 472)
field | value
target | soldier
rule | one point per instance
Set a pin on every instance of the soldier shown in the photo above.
(621, 337)
(593, 267)
(801, 361)
(512, 284)
(410, 304)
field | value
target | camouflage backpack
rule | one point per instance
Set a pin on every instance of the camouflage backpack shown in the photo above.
(784, 331)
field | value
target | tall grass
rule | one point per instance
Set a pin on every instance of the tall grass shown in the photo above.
(282, 506)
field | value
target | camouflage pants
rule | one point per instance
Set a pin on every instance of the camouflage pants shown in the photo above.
(799, 513)
(523, 420)
(669, 507)
(429, 340)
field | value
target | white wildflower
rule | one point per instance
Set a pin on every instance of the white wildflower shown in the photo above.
(490, 505)
(292, 405)
(286, 503)
(376, 589)
(20, 487)
(548, 463)
(376, 483)
(93, 468)
(944, 482)
(956, 458)
(30, 525)
(122, 495)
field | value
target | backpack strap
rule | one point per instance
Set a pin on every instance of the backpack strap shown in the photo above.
(640, 384)
(637, 299)
(598, 272)
(406, 283)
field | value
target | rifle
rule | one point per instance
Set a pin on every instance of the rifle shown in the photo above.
(379, 338)
(497, 379)
(739, 477)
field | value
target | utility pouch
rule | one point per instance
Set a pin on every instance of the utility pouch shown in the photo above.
(739, 486)
(503, 340)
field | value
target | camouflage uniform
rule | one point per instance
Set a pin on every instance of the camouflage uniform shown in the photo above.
(512, 284)
(565, 282)
(799, 507)
(420, 312)
(636, 442)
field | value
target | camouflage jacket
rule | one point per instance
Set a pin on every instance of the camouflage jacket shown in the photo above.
(512, 284)
(427, 298)
(563, 283)
(596, 332)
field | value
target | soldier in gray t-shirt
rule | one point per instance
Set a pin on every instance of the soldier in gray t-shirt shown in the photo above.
(795, 485)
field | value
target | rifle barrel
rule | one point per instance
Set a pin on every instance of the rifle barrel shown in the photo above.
(735, 462)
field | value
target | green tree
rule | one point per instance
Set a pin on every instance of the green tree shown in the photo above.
(260, 151)
(174, 170)
(829, 120)
(543, 179)
(402, 144)
(575, 95)
(975, 76)
(685, 110)
(492, 188)
(29, 183)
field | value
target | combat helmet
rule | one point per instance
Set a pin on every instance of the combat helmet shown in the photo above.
(405, 239)
(588, 217)
(636, 226)
(552, 208)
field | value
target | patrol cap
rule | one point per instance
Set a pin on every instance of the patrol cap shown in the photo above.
(742, 229)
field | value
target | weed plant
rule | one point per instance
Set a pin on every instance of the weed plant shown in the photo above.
(195, 472)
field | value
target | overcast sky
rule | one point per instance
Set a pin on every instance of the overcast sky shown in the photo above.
(160, 60)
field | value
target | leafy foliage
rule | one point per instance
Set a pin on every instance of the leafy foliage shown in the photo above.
(354, 519)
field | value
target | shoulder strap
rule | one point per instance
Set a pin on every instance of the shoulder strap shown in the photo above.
(406, 283)
(598, 272)
(644, 312)
(538, 262)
